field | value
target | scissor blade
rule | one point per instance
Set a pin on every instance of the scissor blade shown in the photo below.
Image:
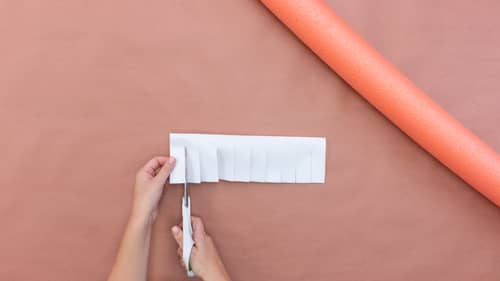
(186, 189)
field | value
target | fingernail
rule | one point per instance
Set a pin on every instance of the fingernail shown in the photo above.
(171, 160)
(175, 230)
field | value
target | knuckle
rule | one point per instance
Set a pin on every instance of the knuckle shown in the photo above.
(201, 239)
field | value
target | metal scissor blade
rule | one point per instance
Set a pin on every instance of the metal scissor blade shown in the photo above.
(186, 188)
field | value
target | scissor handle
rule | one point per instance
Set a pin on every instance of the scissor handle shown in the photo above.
(187, 234)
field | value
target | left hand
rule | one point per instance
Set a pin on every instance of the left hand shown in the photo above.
(149, 184)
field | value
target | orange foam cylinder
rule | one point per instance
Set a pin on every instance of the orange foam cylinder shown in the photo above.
(388, 90)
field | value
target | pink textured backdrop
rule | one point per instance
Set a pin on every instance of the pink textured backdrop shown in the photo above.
(89, 90)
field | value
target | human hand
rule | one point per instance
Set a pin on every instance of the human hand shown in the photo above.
(205, 260)
(149, 184)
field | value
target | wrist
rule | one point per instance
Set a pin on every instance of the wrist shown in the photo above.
(141, 219)
(142, 213)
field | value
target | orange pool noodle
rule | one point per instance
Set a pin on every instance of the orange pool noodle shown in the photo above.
(381, 84)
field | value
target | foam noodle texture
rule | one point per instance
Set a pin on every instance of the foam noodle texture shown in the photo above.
(392, 93)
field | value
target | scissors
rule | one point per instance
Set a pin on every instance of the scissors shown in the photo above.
(187, 237)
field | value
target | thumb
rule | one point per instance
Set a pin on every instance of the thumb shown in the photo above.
(165, 170)
(177, 233)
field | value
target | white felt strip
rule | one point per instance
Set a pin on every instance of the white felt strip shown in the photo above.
(258, 165)
(248, 158)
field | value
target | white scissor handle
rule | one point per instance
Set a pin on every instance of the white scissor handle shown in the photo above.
(187, 235)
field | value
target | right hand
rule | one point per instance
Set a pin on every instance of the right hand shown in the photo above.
(205, 260)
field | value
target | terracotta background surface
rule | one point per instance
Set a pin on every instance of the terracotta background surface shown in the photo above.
(89, 90)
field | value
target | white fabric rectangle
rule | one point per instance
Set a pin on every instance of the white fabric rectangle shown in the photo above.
(242, 163)
(258, 165)
(211, 158)
(303, 167)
